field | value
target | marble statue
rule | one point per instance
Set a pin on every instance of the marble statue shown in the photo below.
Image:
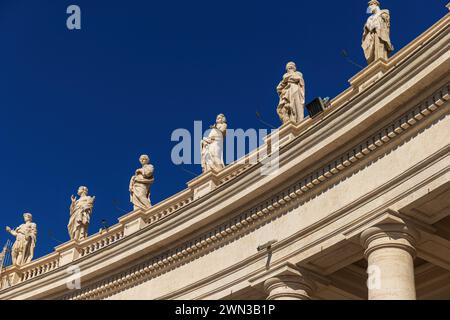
(376, 41)
(26, 234)
(140, 184)
(291, 91)
(212, 146)
(80, 214)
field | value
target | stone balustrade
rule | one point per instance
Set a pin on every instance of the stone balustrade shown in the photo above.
(71, 251)
(101, 240)
(40, 267)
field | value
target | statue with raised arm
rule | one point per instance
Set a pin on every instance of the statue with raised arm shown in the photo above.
(140, 184)
(212, 146)
(80, 214)
(291, 91)
(376, 41)
(26, 234)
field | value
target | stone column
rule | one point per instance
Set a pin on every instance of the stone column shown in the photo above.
(289, 287)
(390, 252)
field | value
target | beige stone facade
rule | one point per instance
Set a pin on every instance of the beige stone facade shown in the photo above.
(358, 209)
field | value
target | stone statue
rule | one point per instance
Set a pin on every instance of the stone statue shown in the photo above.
(140, 184)
(291, 91)
(26, 234)
(212, 146)
(376, 38)
(80, 215)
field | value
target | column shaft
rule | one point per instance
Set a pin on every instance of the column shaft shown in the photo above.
(390, 253)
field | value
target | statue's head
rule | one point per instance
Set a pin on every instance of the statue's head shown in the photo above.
(83, 191)
(144, 159)
(374, 6)
(221, 118)
(291, 67)
(27, 217)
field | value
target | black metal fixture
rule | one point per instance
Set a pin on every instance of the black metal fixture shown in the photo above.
(315, 107)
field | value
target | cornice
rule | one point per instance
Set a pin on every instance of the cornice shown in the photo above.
(312, 131)
(258, 214)
(373, 217)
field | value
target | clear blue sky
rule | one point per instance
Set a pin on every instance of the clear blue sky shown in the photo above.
(79, 107)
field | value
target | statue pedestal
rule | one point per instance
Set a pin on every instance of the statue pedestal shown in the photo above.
(133, 222)
(204, 184)
(283, 134)
(10, 278)
(369, 75)
(68, 252)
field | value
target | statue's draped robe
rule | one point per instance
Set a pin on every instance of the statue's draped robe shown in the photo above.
(376, 37)
(23, 248)
(291, 91)
(140, 187)
(212, 149)
(80, 217)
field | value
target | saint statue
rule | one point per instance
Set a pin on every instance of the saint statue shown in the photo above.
(26, 234)
(80, 214)
(212, 146)
(376, 38)
(140, 184)
(291, 91)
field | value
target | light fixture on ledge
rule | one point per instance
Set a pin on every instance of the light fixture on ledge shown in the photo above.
(317, 106)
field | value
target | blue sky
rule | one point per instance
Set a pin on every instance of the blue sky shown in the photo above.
(79, 107)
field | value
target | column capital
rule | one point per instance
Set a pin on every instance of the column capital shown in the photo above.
(289, 287)
(390, 235)
(289, 283)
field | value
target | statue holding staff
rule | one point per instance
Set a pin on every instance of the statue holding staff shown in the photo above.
(26, 235)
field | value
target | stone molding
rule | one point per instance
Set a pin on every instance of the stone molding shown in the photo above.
(236, 225)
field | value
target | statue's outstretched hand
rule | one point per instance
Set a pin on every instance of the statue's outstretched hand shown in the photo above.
(8, 229)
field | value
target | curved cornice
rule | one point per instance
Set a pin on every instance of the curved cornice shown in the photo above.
(267, 209)
(379, 103)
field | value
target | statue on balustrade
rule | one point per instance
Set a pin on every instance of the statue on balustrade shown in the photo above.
(291, 91)
(140, 184)
(212, 146)
(26, 234)
(376, 41)
(80, 214)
